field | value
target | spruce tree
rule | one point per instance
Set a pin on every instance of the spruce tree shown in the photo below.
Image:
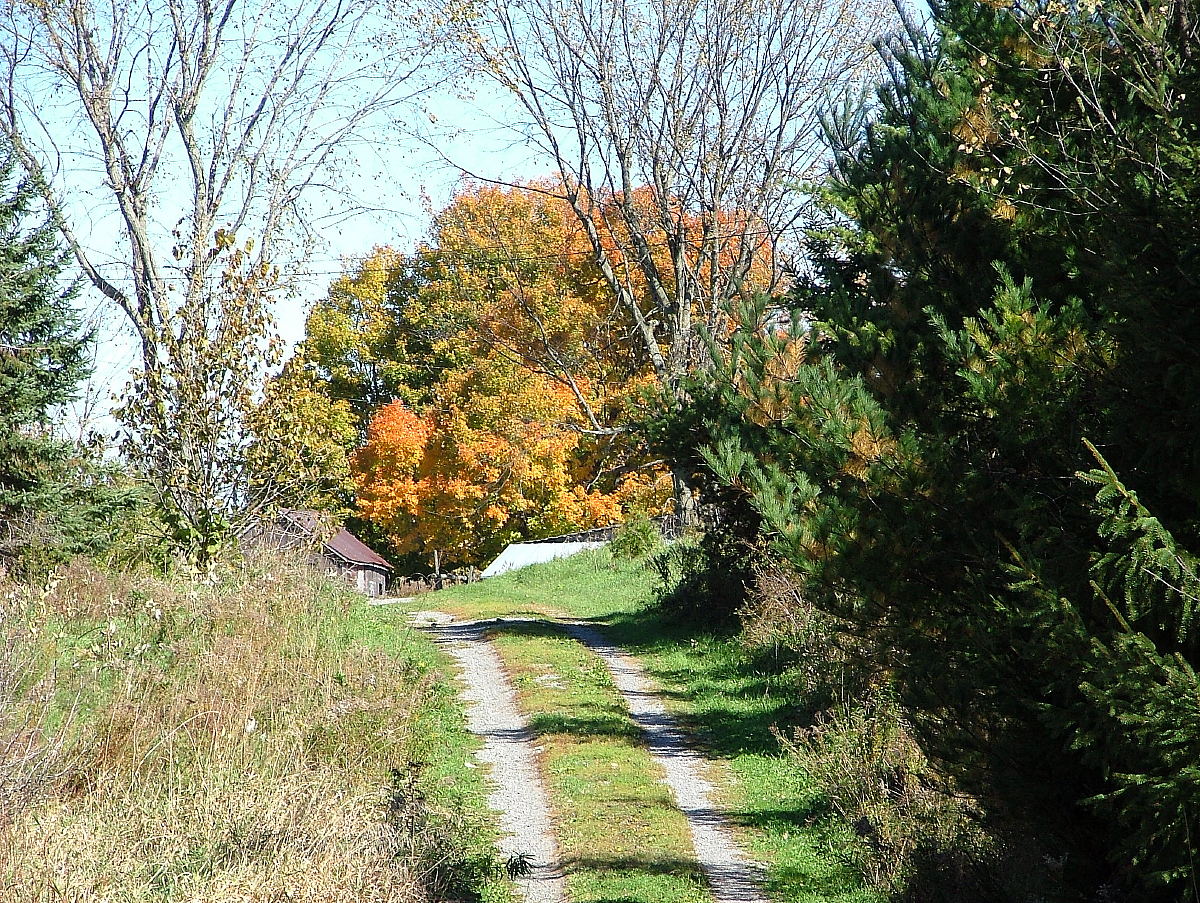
(42, 359)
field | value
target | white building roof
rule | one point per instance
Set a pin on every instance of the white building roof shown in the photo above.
(523, 554)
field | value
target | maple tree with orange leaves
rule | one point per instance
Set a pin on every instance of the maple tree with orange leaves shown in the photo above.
(512, 372)
(502, 459)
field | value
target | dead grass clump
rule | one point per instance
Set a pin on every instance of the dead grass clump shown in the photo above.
(864, 758)
(302, 836)
(223, 740)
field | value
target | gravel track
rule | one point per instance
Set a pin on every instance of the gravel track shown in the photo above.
(732, 876)
(520, 797)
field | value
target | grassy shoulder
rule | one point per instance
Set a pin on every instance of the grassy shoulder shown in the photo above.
(731, 706)
(588, 585)
(728, 701)
(265, 737)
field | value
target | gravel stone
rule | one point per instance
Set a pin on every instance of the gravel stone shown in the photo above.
(518, 795)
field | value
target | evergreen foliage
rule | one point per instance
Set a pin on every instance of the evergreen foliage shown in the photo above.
(1139, 716)
(1008, 267)
(42, 359)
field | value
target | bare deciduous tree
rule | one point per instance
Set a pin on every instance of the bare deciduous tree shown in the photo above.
(162, 131)
(683, 131)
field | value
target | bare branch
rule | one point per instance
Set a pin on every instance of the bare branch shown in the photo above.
(688, 124)
(203, 123)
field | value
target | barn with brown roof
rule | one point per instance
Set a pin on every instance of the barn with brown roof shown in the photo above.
(335, 549)
(355, 561)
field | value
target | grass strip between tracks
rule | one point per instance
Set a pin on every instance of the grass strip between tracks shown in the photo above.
(729, 702)
(621, 835)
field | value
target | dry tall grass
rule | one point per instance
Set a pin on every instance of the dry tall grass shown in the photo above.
(219, 742)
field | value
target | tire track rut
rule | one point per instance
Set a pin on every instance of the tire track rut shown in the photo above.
(509, 749)
(520, 797)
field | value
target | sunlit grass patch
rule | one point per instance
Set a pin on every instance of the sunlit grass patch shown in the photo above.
(264, 737)
(619, 831)
(731, 705)
(585, 585)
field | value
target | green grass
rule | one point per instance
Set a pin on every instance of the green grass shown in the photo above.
(731, 704)
(588, 585)
(621, 836)
(729, 701)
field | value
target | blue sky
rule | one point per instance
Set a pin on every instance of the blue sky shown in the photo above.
(400, 175)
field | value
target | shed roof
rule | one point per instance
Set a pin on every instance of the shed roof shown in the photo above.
(306, 520)
(348, 546)
(339, 541)
(523, 554)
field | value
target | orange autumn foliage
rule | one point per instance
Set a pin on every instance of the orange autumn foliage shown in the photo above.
(501, 459)
(713, 246)
(520, 259)
(517, 264)
(518, 369)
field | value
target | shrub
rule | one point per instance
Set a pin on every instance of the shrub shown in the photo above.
(784, 631)
(636, 538)
(919, 837)
(703, 578)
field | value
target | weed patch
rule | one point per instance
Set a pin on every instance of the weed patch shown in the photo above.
(233, 740)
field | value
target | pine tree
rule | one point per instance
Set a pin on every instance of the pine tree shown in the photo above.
(42, 358)
(1008, 268)
(1138, 716)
